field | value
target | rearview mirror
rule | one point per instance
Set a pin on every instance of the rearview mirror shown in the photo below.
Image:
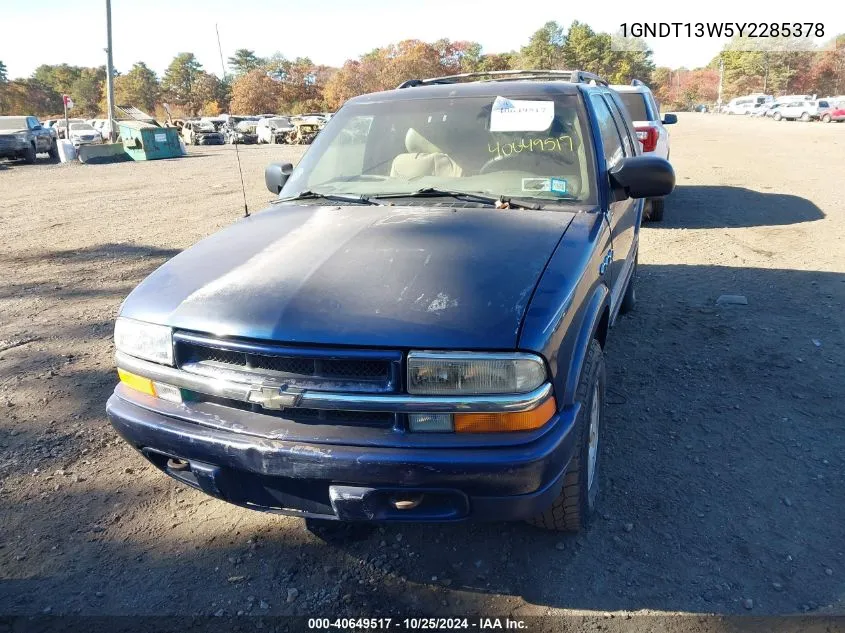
(643, 176)
(669, 119)
(276, 175)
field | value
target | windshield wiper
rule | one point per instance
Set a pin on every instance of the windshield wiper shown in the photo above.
(314, 195)
(433, 192)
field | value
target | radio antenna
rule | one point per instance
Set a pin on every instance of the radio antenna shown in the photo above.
(237, 154)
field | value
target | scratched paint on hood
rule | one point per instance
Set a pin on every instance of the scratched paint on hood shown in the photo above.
(361, 276)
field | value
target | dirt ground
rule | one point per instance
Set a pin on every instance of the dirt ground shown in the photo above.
(724, 454)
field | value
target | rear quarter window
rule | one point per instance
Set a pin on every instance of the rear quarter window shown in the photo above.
(636, 105)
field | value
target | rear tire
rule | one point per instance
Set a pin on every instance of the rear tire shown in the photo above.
(576, 505)
(655, 213)
(826, 118)
(805, 117)
(777, 116)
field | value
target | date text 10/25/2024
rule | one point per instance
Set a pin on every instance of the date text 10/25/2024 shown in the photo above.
(417, 624)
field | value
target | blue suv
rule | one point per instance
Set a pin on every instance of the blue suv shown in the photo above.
(414, 330)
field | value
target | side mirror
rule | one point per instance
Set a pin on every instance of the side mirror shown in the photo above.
(276, 175)
(643, 176)
(669, 119)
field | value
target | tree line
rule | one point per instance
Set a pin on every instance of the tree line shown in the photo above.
(276, 84)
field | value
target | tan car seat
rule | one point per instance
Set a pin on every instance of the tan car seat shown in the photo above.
(423, 159)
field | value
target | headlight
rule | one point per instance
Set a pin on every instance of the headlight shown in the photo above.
(144, 340)
(468, 373)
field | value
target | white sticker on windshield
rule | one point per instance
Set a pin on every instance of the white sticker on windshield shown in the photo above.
(510, 115)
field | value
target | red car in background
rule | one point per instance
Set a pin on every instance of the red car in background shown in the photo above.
(838, 113)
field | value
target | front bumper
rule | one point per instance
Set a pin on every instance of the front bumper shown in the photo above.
(348, 482)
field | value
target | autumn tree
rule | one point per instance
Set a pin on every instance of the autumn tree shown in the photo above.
(138, 87)
(29, 96)
(179, 83)
(59, 77)
(87, 90)
(244, 60)
(256, 93)
(545, 48)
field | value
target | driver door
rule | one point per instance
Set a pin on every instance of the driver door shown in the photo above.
(623, 215)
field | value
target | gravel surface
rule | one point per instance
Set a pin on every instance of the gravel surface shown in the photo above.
(724, 457)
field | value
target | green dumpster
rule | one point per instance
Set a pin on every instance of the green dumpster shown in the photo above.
(145, 141)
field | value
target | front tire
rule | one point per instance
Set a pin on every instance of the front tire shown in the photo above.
(805, 117)
(54, 150)
(655, 213)
(29, 155)
(777, 116)
(826, 118)
(576, 505)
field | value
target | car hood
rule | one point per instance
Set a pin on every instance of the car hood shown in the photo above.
(381, 276)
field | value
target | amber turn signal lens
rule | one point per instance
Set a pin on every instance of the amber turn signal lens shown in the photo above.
(504, 422)
(138, 383)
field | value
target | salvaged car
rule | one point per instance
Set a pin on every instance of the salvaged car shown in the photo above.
(84, 134)
(274, 129)
(415, 330)
(201, 133)
(304, 131)
(23, 137)
(241, 131)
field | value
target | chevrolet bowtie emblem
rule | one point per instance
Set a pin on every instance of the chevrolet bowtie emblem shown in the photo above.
(275, 397)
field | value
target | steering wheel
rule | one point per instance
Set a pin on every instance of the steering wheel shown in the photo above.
(497, 163)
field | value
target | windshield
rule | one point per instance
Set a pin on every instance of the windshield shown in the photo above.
(13, 123)
(203, 126)
(81, 127)
(459, 144)
(635, 102)
(279, 122)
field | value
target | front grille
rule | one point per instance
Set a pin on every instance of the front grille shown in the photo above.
(315, 369)
(369, 419)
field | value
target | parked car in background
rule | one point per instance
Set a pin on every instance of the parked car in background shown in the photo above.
(274, 130)
(746, 104)
(837, 114)
(61, 129)
(762, 109)
(651, 131)
(84, 134)
(241, 131)
(823, 109)
(201, 133)
(23, 137)
(798, 109)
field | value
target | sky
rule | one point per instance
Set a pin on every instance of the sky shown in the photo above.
(331, 31)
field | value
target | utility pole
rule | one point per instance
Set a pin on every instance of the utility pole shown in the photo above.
(109, 74)
(721, 80)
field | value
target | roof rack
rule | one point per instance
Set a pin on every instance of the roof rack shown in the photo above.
(572, 76)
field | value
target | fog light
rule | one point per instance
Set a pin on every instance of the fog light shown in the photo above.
(168, 392)
(430, 422)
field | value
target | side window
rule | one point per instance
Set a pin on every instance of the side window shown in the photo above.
(611, 141)
(622, 127)
(31, 122)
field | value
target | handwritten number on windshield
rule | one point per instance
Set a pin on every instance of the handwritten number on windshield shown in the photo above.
(531, 145)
